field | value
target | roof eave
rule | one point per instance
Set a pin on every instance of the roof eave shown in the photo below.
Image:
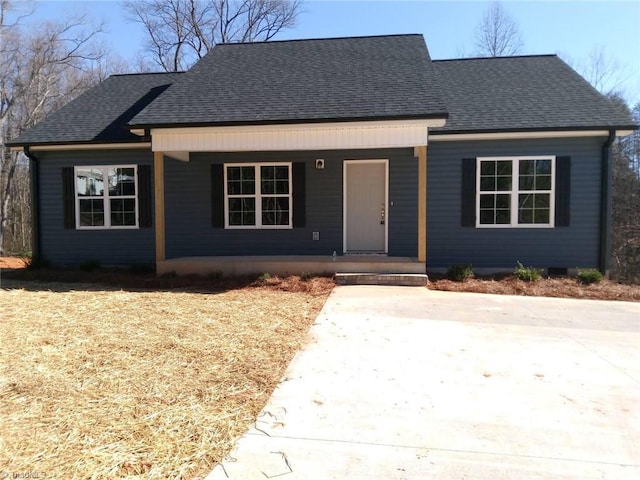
(76, 143)
(436, 132)
(291, 121)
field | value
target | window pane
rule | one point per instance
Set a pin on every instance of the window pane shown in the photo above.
(503, 184)
(275, 211)
(543, 167)
(268, 173)
(268, 187)
(241, 180)
(503, 217)
(248, 187)
(275, 180)
(534, 208)
(535, 175)
(242, 211)
(525, 201)
(487, 168)
(282, 187)
(504, 167)
(487, 217)
(282, 172)
(527, 167)
(123, 212)
(543, 182)
(122, 181)
(91, 212)
(525, 216)
(248, 218)
(487, 184)
(89, 182)
(233, 173)
(542, 200)
(487, 201)
(541, 215)
(526, 182)
(503, 201)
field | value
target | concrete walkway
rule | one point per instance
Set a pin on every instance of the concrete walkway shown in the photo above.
(406, 383)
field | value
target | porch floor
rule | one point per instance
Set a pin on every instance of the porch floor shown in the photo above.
(291, 264)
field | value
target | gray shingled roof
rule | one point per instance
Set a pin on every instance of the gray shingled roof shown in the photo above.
(521, 93)
(364, 78)
(100, 115)
(354, 78)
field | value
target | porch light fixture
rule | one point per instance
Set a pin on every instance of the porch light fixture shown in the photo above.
(319, 164)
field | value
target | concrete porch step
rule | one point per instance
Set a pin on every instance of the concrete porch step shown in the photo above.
(398, 279)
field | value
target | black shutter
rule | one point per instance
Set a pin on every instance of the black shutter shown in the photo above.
(68, 198)
(217, 195)
(144, 196)
(563, 191)
(299, 194)
(468, 193)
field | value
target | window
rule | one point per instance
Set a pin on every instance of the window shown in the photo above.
(258, 195)
(106, 197)
(515, 191)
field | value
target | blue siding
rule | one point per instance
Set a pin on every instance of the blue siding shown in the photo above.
(71, 247)
(574, 246)
(189, 231)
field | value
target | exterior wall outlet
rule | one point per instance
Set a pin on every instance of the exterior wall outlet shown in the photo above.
(316, 235)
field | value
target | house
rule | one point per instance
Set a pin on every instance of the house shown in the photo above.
(272, 156)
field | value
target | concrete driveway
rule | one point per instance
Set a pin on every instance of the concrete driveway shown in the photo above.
(407, 383)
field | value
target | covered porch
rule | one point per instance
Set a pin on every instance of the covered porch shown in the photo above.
(291, 265)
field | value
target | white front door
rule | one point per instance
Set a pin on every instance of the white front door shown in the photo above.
(365, 208)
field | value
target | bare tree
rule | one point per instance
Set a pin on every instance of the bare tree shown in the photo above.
(498, 34)
(179, 32)
(625, 241)
(43, 68)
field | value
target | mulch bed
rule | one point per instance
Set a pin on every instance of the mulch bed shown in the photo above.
(546, 287)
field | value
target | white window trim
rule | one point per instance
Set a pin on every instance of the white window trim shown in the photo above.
(515, 191)
(258, 196)
(105, 198)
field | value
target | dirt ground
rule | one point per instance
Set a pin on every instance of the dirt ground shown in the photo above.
(11, 262)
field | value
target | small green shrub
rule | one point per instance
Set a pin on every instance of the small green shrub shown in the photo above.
(141, 268)
(264, 277)
(527, 274)
(589, 276)
(460, 272)
(89, 265)
(305, 276)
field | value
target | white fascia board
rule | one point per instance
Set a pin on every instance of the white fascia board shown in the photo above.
(88, 146)
(308, 136)
(624, 133)
(460, 137)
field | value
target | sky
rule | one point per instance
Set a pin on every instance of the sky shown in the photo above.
(572, 29)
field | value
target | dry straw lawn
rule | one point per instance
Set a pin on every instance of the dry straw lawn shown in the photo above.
(105, 383)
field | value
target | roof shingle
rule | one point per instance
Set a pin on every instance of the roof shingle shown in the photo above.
(335, 79)
(100, 115)
(521, 93)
